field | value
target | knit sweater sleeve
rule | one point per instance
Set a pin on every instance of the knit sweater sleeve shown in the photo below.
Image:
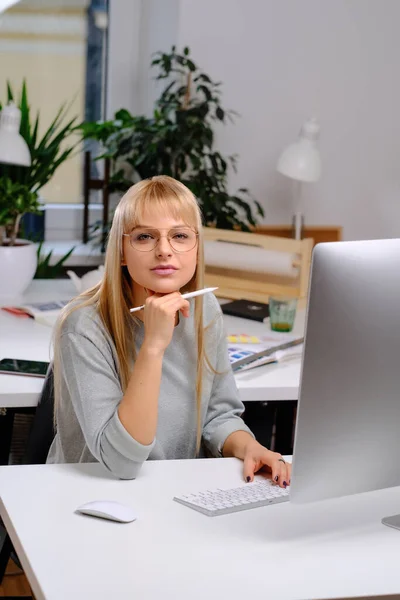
(89, 374)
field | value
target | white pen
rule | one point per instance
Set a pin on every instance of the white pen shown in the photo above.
(188, 295)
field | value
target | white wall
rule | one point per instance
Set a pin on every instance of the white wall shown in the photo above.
(138, 28)
(282, 62)
(123, 55)
(159, 31)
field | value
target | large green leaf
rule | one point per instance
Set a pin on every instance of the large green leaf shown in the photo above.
(25, 129)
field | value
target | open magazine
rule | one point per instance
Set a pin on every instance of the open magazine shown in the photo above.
(275, 347)
(43, 312)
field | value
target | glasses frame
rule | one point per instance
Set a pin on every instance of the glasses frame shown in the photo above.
(129, 235)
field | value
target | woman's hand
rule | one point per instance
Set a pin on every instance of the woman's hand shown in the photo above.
(159, 319)
(256, 457)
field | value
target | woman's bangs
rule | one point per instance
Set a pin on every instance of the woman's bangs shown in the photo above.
(172, 206)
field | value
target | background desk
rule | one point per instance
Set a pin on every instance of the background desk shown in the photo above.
(27, 339)
(24, 338)
(331, 549)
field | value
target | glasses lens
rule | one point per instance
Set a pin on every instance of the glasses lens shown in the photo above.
(144, 239)
(181, 240)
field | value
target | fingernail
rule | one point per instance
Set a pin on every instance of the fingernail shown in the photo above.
(284, 484)
(276, 478)
(248, 478)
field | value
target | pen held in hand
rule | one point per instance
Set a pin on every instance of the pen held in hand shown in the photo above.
(188, 295)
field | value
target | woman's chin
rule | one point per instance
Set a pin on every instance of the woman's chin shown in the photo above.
(164, 287)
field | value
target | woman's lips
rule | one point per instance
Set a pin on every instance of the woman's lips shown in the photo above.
(164, 271)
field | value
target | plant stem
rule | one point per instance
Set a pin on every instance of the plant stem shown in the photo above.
(186, 99)
(14, 233)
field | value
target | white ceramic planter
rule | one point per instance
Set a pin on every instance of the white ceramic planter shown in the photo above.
(17, 268)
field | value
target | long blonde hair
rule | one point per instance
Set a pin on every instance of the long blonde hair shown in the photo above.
(112, 297)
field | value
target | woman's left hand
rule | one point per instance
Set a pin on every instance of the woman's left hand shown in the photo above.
(258, 457)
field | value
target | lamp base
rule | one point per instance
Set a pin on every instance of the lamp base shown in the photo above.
(297, 226)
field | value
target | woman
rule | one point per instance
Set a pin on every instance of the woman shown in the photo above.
(155, 384)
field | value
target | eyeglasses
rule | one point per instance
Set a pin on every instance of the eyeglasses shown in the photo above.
(181, 239)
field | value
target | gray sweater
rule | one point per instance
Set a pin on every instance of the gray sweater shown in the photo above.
(89, 428)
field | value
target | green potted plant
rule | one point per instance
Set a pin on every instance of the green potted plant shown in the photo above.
(20, 187)
(178, 140)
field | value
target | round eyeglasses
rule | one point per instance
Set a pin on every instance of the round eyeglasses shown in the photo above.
(144, 239)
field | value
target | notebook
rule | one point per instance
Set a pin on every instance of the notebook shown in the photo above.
(243, 357)
(45, 313)
(246, 309)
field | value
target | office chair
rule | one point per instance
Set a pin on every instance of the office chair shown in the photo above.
(40, 438)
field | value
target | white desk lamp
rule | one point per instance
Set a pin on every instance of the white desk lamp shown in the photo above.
(301, 161)
(13, 148)
(4, 4)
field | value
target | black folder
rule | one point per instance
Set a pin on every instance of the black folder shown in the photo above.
(246, 309)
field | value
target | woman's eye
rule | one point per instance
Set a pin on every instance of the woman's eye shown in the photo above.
(180, 236)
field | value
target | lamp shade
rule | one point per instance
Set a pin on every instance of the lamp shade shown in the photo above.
(301, 160)
(13, 148)
(4, 4)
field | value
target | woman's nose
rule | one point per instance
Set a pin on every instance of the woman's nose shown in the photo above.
(164, 247)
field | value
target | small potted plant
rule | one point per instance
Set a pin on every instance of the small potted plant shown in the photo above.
(17, 257)
(20, 187)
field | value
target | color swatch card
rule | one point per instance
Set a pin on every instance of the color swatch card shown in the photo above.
(242, 338)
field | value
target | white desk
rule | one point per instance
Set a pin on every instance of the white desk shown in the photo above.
(332, 549)
(24, 338)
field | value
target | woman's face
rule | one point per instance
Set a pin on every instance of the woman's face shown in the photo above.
(157, 266)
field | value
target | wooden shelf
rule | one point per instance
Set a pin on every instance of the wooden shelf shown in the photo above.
(319, 233)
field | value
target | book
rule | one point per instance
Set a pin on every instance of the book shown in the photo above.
(246, 309)
(43, 312)
(248, 356)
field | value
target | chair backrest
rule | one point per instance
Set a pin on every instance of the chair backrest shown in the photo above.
(42, 431)
(256, 266)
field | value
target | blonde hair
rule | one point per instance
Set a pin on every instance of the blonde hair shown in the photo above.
(112, 297)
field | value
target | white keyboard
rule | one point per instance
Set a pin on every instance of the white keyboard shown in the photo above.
(221, 502)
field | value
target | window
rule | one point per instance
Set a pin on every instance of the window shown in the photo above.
(60, 48)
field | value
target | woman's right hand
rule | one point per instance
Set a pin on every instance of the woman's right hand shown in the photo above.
(159, 319)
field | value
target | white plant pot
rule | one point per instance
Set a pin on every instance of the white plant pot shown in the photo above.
(17, 267)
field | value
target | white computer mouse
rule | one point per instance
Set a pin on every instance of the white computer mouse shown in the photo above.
(108, 509)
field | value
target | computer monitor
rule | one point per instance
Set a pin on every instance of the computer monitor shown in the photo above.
(347, 436)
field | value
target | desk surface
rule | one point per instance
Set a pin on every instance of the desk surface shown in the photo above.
(331, 549)
(26, 339)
